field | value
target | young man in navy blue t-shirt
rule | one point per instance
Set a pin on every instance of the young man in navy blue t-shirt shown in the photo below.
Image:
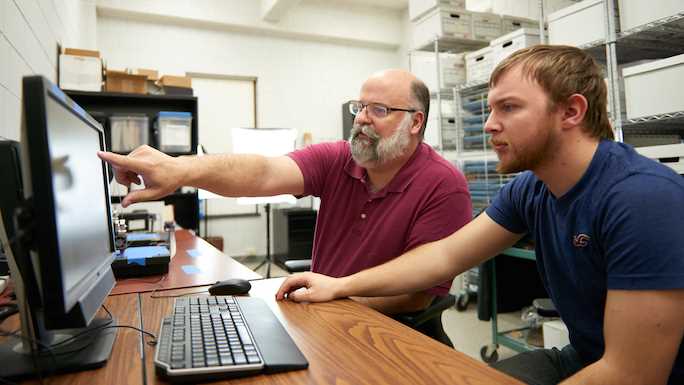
(607, 224)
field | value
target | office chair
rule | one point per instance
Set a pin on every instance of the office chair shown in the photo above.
(428, 321)
(297, 265)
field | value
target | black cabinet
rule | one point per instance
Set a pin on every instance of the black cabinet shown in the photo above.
(347, 121)
(103, 105)
(293, 234)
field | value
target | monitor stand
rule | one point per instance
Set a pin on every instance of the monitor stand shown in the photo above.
(89, 351)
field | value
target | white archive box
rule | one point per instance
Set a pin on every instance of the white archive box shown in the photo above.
(486, 26)
(449, 132)
(479, 64)
(512, 23)
(451, 68)
(634, 13)
(439, 23)
(555, 334)
(578, 24)
(447, 108)
(673, 153)
(654, 88)
(504, 46)
(81, 73)
(418, 8)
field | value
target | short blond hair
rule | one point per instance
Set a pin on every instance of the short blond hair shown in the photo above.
(562, 71)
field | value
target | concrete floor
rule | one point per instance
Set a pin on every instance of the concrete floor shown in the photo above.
(467, 333)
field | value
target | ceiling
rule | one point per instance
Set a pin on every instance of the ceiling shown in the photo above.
(397, 5)
(392, 4)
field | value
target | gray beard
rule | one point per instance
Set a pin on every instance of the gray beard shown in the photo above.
(380, 150)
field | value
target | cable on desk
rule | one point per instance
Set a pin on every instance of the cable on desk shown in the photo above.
(100, 328)
(34, 356)
(153, 295)
(176, 295)
(159, 280)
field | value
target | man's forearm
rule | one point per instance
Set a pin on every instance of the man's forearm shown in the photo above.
(226, 174)
(398, 304)
(380, 281)
(430, 264)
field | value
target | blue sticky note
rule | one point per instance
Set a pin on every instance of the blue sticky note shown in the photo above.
(191, 269)
(194, 253)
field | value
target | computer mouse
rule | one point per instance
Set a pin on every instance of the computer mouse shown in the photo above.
(233, 286)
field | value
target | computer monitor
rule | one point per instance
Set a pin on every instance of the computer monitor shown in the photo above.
(64, 243)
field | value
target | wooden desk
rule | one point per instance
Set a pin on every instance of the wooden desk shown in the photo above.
(194, 252)
(124, 365)
(346, 343)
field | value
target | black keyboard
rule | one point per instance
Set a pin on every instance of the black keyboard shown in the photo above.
(210, 337)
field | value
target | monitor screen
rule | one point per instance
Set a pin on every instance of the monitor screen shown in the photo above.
(62, 254)
(80, 199)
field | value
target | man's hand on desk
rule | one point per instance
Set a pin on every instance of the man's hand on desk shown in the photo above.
(310, 287)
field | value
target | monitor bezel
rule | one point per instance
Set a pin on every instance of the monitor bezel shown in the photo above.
(56, 303)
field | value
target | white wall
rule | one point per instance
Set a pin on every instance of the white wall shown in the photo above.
(30, 31)
(307, 65)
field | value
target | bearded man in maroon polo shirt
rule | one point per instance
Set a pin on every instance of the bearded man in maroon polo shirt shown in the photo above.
(383, 192)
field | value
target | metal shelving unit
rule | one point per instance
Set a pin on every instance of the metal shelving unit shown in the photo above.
(446, 45)
(656, 40)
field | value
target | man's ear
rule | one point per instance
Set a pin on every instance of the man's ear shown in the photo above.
(574, 110)
(417, 122)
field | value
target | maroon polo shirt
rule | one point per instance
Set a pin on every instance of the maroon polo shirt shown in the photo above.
(356, 229)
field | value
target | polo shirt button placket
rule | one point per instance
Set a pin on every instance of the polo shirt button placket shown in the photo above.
(363, 215)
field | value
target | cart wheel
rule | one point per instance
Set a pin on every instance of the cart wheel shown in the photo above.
(462, 302)
(489, 354)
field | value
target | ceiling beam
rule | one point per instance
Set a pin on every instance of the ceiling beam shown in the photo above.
(273, 10)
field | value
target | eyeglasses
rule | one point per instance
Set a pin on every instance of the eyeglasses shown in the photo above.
(375, 109)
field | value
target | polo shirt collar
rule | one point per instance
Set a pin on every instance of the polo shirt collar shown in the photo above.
(402, 179)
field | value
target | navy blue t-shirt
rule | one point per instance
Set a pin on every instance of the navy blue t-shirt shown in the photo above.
(619, 228)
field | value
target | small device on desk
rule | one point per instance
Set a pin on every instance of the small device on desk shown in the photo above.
(207, 338)
(233, 286)
(140, 261)
(141, 253)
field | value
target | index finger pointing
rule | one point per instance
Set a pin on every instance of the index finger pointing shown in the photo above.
(120, 161)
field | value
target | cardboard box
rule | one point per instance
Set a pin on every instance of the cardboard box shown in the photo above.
(81, 52)
(579, 24)
(449, 132)
(479, 64)
(512, 23)
(175, 81)
(451, 68)
(486, 26)
(80, 73)
(634, 13)
(651, 88)
(504, 46)
(120, 81)
(418, 8)
(152, 75)
(439, 24)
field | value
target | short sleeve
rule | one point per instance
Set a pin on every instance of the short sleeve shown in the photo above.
(510, 206)
(317, 161)
(433, 225)
(641, 232)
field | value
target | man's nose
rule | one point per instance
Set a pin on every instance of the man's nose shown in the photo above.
(362, 117)
(491, 124)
